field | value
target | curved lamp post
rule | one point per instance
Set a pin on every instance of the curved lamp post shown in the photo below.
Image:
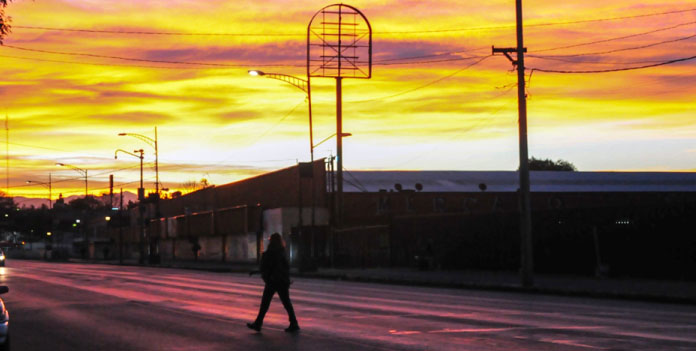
(77, 169)
(141, 198)
(299, 83)
(48, 185)
(304, 85)
(153, 144)
(141, 192)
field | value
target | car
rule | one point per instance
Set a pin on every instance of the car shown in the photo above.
(4, 322)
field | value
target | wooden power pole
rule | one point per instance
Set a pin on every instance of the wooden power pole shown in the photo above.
(526, 250)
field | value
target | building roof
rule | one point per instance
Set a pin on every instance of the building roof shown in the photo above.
(508, 181)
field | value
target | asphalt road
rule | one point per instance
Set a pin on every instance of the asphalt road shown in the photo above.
(56, 306)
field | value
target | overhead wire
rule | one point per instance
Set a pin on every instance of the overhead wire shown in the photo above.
(478, 123)
(618, 38)
(384, 62)
(616, 69)
(137, 59)
(592, 62)
(72, 179)
(208, 65)
(426, 84)
(624, 49)
(445, 30)
(97, 64)
(262, 135)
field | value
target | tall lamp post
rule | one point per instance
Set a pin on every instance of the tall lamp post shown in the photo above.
(304, 85)
(153, 143)
(48, 185)
(77, 169)
(141, 198)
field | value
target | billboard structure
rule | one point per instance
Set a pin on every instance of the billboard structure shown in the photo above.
(339, 45)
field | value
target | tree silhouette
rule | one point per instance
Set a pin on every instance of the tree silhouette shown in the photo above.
(4, 20)
(537, 164)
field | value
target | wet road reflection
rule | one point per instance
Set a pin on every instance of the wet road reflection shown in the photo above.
(178, 309)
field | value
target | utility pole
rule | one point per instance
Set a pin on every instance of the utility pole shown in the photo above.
(120, 229)
(339, 151)
(526, 250)
(111, 191)
(7, 155)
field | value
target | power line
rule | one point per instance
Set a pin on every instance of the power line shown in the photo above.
(96, 64)
(618, 38)
(424, 85)
(610, 18)
(105, 31)
(445, 30)
(385, 62)
(144, 60)
(219, 65)
(49, 148)
(625, 49)
(429, 61)
(65, 180)
(434, 55)
(617, 69)
(593, 63)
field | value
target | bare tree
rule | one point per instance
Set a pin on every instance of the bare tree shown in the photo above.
(193, 185)
(190, 186)
(4, 20)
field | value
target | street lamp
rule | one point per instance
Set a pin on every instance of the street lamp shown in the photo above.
(141, 198)
(304, 85)
(77, 169)
(141, 191)
(299, 83)
(50, 203)
(152, 143)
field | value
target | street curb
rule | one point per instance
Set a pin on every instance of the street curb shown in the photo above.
(512, 288)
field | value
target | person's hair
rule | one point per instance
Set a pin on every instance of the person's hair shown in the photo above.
(276, 242)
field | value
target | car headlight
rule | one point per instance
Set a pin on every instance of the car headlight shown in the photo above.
(2, 257)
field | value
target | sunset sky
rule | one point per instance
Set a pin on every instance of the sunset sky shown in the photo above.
(75, 73)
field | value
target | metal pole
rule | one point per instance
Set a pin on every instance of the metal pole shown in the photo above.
(527, 267)
(120, 229)
(311, 158)
(50, 203)
(156, 165)
(141, 210)
(86, 192)
(141, 172)
(339, 151)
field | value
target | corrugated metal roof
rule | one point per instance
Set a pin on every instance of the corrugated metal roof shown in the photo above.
(508, 181)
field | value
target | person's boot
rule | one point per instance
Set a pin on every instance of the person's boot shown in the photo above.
(294, 327)
(254, 326)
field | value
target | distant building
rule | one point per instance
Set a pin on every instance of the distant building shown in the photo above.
(464, 219)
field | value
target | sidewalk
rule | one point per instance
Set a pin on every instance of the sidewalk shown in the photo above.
(631, 289)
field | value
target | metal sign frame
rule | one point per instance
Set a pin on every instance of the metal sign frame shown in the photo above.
(336, 43)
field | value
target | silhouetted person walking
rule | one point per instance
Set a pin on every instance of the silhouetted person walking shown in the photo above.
(275, 270)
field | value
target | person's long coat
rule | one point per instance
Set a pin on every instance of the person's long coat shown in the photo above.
(275, 268)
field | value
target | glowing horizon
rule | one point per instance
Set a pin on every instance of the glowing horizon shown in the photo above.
(216, 122)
